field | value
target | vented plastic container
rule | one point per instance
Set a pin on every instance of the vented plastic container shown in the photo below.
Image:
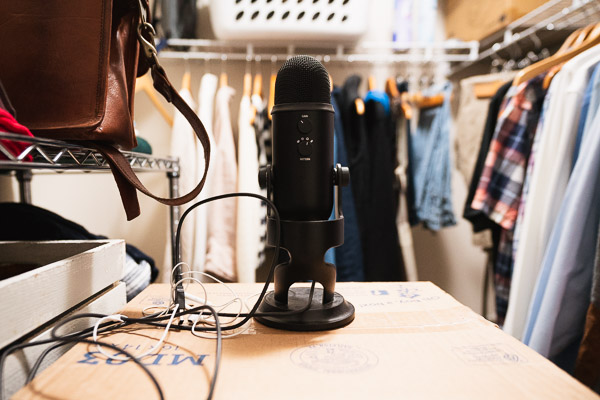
(290, 20)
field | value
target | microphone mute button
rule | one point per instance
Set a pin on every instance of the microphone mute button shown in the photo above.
(305, 148)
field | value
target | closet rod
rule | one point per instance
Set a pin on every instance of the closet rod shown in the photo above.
(373, 52)
(361, 58)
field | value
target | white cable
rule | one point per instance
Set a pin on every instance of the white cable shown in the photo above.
(118, 318)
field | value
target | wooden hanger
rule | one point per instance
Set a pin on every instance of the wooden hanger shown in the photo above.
(485, 90)
(247, 89)
(406, 107)
(359, 104)
(420, 101)
(330, 83)
(223, 80)
(574, 40)
(271, 100)
(542, 66)
(186, 81)
(144, 84)
(371, 83)
(391, 88)
(256, 91)
(257, 85)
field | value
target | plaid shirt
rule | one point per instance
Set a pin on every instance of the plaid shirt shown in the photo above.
(499, 191)
(500, 186)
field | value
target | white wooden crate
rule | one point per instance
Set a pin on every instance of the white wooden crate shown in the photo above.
(66, 273)
(19, 363)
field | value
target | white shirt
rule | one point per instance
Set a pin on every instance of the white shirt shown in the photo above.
(248, 209)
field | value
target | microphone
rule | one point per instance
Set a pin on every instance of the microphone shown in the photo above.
(301, 183)
(302, 141)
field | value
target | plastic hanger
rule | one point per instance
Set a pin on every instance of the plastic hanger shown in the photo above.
(144, 84)
(542, 66)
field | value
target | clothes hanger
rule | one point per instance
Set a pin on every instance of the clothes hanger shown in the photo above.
(223, 76)
(186, 80)
(271, 100)
(371, 83)
(256, 88)
(247, 88)
(391, 88)
(577, 39)
(592, 39)
(330, 83)
(144, 84)
(485, 90)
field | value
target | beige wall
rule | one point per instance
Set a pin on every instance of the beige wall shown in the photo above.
(446, 257)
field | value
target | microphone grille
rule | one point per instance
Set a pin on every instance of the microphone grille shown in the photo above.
(302, 79)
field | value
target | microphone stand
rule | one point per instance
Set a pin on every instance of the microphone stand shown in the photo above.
(307, 242)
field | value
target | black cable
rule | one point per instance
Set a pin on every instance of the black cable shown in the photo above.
(152, 320)
(14, 348)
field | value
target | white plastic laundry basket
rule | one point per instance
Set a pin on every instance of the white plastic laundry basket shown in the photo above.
(290, 20)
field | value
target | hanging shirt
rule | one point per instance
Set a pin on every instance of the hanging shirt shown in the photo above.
(499, 190)
(549, 176)
(248, 233)
(381, 246)
(220, 257)
(501, 182)
(589, 107)
(183, 146)
(561, 299)
(431, 160)
(262, 127)
(402, 219)
(520, 294)
(206, 101)
(587, 365)
(470, 121)
(479, 219)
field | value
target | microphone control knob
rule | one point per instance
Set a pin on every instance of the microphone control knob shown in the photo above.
(305, 148)
(304, 126)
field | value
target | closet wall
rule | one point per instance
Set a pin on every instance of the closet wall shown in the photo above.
(446, 257)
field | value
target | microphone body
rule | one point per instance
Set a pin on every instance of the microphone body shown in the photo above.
(303, 160)
(303, 141)
(301, 181)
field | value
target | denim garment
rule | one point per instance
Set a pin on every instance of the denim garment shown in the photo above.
(430, 148)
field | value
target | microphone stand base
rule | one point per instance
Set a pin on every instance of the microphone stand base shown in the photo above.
(319, 317)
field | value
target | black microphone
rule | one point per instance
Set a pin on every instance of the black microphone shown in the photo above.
(302, 165)
(301, 181)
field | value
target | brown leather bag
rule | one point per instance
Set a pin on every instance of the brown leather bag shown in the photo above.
(69, 68)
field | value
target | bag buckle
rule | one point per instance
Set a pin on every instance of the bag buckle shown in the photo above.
(146, 28)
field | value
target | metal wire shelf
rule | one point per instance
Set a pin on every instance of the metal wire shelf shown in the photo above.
(39, 153)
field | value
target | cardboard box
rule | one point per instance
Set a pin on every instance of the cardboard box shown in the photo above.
(408, 341)
(41, 280)
(475, 20)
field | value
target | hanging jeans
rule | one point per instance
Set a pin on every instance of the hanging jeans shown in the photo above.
(430, 148)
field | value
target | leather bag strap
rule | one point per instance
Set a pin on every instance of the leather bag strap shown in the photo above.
(127, 181)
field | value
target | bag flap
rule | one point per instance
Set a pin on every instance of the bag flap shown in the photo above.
(55, 60)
